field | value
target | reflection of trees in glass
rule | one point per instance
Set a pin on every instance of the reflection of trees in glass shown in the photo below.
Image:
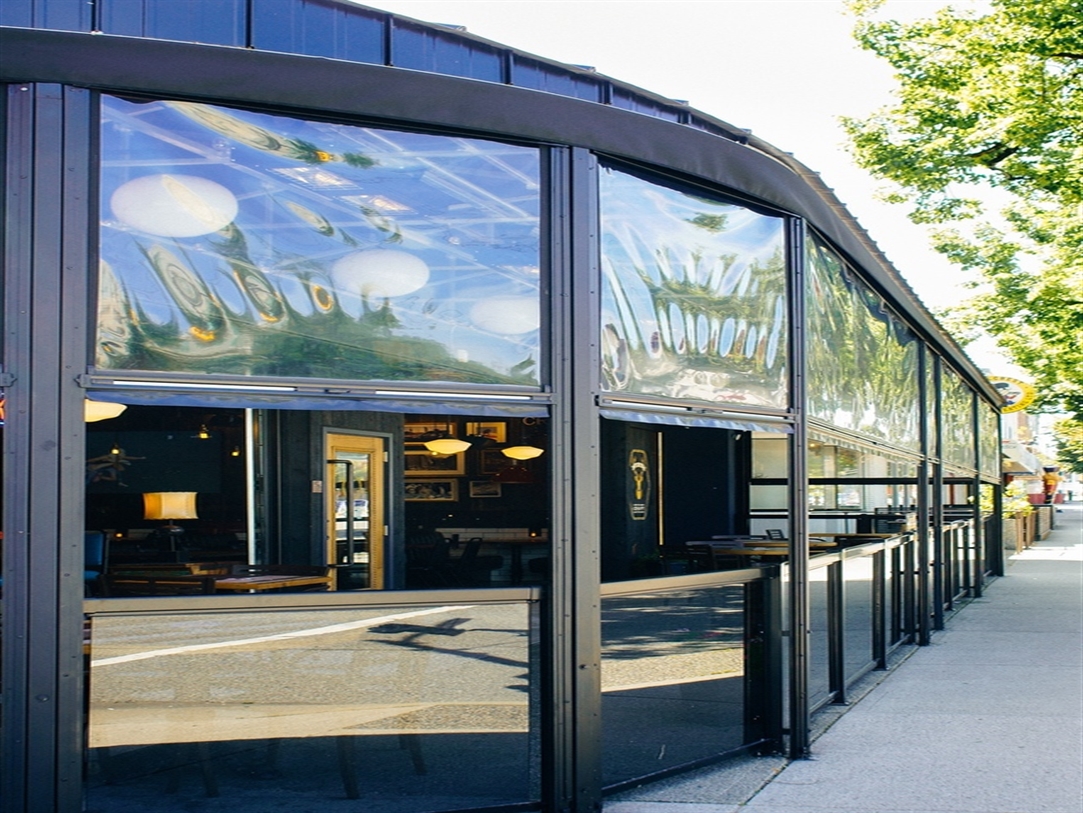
(862, 361)
(259, 296)
(693, 296)
(957, 411)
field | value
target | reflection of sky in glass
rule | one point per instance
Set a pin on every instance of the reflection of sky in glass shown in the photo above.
(354, 252)
(693, 295)
(862, 361)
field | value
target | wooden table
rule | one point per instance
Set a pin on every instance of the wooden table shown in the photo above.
(207, 578)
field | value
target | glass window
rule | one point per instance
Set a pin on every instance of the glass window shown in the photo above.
(957, 413)
(989, 418)
(385, 705)
(862, 361)
(693, 295)
(251, 244)
(188, 500)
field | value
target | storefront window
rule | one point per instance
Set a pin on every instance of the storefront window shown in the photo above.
(251, 244)
(862, 361)
(693, 295)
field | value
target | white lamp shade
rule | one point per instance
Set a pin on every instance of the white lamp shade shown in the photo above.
(379, 273)
(447, 445)
(100, 410)
(170, 505)
(522, 452)
(507, 314)
(174, 205)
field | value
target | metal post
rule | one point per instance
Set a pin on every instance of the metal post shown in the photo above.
(939, 545)
(800, 738)
(45, 347)
(925, 519)
(572, 772)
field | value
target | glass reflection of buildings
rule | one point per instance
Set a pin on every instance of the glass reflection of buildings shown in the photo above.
(648, 331)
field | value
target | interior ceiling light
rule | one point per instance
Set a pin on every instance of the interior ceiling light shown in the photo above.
(174, 205)
(446, 446)
(522, 452)
(100, 410)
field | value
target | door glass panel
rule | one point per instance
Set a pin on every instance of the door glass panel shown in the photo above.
(355, 510)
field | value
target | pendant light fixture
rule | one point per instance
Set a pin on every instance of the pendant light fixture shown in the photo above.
(446, 444)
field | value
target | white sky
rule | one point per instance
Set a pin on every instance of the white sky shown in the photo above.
(785, 69)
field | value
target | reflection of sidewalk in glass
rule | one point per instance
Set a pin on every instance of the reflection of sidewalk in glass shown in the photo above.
(152, 724)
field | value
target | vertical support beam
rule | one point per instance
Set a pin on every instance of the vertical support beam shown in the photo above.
(836, 630)
(938, 547)
(977, 578)
(45, 349)
(572, 776)
(800, 738)
(924, 533)
(880, 624)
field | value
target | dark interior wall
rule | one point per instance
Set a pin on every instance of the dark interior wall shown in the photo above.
(629, 525)
(161, 449)
(698, 487)
(705, 476)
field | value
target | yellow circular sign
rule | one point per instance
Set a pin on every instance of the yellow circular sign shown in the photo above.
(1017, 395)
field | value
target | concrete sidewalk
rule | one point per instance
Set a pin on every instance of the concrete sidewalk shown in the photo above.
(987, 719)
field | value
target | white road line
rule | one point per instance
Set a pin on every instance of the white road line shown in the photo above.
(283, 636)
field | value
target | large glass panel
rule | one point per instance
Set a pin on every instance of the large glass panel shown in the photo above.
(957, 413)
(989, 425)
(862, 360)
(195, 500)
(673, 678)
(819, 655)
(693, 295)
(245, 243)
(857, 574)
(402, 708)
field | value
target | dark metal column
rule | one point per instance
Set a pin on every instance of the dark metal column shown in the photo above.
(938, 546)
(45, 348)
(924, 532)
(977, 578)
(572, 777)
(798, 502)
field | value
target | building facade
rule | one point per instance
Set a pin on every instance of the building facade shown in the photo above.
(392, 418)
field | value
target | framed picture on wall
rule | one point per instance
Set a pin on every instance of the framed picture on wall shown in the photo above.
(432, 490)
(496, 431)
(484, 488)
(420, 432)
(423, 463)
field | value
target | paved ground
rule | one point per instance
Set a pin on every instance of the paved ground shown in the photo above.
(987, 719)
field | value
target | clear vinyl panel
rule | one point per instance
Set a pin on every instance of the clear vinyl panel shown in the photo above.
(819, 654)
(693, 295)
(673, 678)
(862, 360)
(858, 614)
(957, 410)
(253, 244)
(385, 709)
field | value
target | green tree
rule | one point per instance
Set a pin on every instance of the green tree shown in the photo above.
(1068, 435)
(993, 100)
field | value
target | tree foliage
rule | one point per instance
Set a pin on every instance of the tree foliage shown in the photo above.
(1068, 435)
(993, 100)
